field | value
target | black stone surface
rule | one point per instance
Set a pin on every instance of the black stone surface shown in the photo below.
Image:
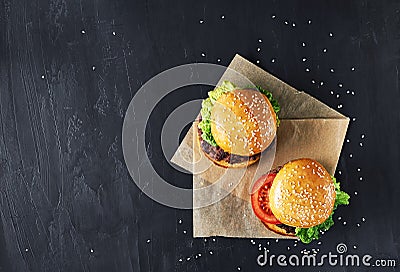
(68, 70)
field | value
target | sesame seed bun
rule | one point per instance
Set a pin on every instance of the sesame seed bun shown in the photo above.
(302, 194)
(243, 122)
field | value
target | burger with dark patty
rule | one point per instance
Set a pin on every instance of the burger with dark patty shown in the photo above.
(297, 199)
(237, 124)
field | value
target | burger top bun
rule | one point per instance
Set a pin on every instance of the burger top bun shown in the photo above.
(243, 122)
(302, 194)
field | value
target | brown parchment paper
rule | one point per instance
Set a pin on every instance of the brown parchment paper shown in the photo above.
(308, 128)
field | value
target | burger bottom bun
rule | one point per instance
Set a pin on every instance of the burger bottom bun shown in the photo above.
(277, 229)
(232, 165)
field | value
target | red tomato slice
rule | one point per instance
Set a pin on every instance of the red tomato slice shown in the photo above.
(260, 199)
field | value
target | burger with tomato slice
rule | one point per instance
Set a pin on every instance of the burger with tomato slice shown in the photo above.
(237, 124)
(297, 199)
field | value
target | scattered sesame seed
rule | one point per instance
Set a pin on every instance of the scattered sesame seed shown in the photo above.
(83, 31)
(223, 17)
(324, 50)
(321, 83)
(356, 193)
(42, 76)
(272, 60)
(188, 258)
(307, 70)
(180, 260)
(293, 24)
(259, 40)
(362, 136)
(273, 16)
(257, 61)
(361, 178)
(304, 59)
(286, 22)
(354, 246)
(258, 49)
(352, 68)
(180, 221)
(184, 231)
(358, 225)
(309, 22)
(211, 253)
(148, 241)
(203, 55)
(330, 34)
(219, 60)
(340, 106)
(363, 219)
(91, 250)
(113, 33)
(313, 81)
(201, 21)
(344, 223)
(26, 249)
(340, 85)
(332, 70)
(93, 68)
(351, 155)
(339, 218)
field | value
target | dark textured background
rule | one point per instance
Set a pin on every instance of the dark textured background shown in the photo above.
(68, 70)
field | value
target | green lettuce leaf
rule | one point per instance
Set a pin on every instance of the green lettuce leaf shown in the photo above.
(307, 235)
(206, 106)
